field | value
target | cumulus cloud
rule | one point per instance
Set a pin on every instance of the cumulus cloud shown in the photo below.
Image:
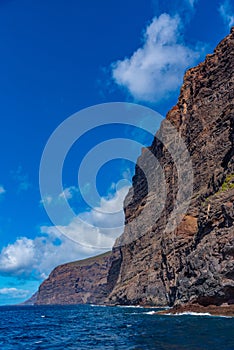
(17, 256)
(93, 230)
(35, 258)
(156, 69)
(227, 13)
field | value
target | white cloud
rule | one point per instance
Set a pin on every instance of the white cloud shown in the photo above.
(18, 256)
(37, 257)
(99, 227)
(227, 13)
(2, 190)
(14, 292)
(156, 69)
(68, 192)
(93, 230)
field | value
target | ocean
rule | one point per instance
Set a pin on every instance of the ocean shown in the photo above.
(97, 327)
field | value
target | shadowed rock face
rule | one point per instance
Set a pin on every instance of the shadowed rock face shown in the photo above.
(193, 263)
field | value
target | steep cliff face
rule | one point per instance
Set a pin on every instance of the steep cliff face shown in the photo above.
(194, 262)
(79, 282)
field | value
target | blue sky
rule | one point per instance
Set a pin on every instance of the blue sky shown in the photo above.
(58, 57)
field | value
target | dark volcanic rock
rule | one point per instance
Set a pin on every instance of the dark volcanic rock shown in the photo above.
(194, 261)
(149, 264)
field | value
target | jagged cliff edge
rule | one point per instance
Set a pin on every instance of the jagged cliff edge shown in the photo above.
(194, 263)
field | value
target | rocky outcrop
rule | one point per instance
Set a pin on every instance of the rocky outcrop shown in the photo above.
(224, 310)
(79, 282)
(193, 262)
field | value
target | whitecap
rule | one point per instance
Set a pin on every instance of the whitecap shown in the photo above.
(188, 313)
(150, 313)
(93, 305)
(131, 306)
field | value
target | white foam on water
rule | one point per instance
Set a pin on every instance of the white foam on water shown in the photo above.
(187, 313)
(42, 316)
(93, 305)
(131, 306)
(190, 313)
(150, 313)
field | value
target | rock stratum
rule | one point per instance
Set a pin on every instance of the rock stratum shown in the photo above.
(79, 282)
(193, 263)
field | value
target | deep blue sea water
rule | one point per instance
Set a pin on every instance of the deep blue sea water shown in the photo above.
(96, 327)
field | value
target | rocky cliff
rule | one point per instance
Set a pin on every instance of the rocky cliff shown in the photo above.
(77, 282)
(192, 262)
(195, 261)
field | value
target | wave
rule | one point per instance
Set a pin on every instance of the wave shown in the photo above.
(190, 313)
(93, 305)
(131, 306)
(150, 313)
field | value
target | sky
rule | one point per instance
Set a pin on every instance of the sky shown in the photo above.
(56, 59)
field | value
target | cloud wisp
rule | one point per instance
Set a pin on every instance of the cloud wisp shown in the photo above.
(67, 193)
(2, 190)
(227, 13)
(21, 179)
(155, 70)
(14, 293)
(191, 2)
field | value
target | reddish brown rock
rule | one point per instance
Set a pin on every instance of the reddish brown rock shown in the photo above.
(194, 262)
(79, 282)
